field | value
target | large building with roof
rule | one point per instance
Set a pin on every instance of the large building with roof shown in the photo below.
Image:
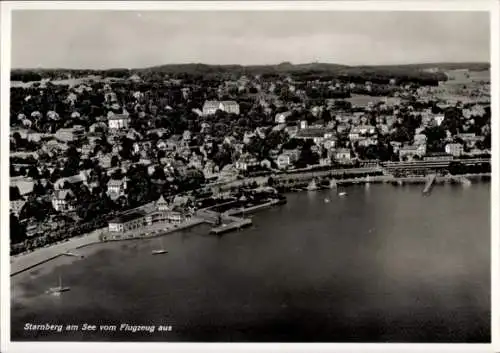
(211, 107)
(163, 212)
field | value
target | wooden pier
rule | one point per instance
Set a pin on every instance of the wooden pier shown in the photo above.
(429, 183)
(237, 223)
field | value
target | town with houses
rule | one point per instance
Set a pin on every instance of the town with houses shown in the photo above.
(139, 153)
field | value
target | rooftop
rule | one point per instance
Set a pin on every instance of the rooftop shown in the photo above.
(128, 217)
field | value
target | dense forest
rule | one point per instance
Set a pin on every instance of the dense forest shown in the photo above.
(303, 72)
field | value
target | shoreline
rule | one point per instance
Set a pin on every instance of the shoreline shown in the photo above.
(23, 262)
(295, 185)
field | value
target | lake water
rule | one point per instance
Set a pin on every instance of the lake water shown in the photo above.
(384, 264)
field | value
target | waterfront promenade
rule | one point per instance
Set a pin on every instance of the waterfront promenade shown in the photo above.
(23, 262)
(26, 261)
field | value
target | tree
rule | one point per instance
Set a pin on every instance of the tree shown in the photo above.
(307, 156)
(15, 194)
(33, 172)
(115, 161)
(435, 138)
(17, 231)
(38, 188)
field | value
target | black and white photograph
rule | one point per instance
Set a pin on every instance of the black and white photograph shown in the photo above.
(249, 175)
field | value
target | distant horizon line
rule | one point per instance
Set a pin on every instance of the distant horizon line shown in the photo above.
(258, 65)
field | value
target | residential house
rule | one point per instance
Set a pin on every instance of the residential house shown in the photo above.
(287, 159)
(132, 134)
(117, 188)
(248, 136)
(196, 161)
(325, 161)
(343, 155)
(330, 143)
(72, 134)
(162, 145)
(455, 149)
(246, 161)
(470, 139)
(354, 134)
(318, 135)
(63, 200)
(230, 107)
(343, 127)
(186, 135)
(438, 119)
(73, 180)
(17, 205)
(145, 161)
(365, 142)
(118, 122)
(420, 139)
(210, 170)
(409, 152)
(396, 145)
(282, 117)
(104, 160)
(383, 128)
(365, 130)
(87, 150)
(116, 149)
(230, 140)
(266, 163)
(419, 130)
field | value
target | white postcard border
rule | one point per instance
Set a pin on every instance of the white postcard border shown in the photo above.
(391, 5)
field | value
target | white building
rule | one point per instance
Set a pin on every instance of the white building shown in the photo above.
(116, 188)
(211, 107)
(455, 149)
(281, 117)
(75, 133)
(246, 161)
(343, 155)
(285, 160)
(63, 200)
(438, 119)
(118, 122)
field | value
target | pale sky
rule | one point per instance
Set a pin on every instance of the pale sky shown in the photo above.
(119, 39)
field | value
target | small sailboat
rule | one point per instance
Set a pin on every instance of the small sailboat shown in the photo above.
(59, 289)
(312, 186)
(159, 251)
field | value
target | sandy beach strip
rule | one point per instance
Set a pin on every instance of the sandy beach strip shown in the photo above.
(23, 262)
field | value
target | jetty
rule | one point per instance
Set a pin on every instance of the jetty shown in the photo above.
(235, 224)
(429, 183)
(223, 222)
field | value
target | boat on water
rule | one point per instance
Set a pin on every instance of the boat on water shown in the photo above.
(327, 200)
(312, 186)
(342, 193)
(159, 251)
(59, 289)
